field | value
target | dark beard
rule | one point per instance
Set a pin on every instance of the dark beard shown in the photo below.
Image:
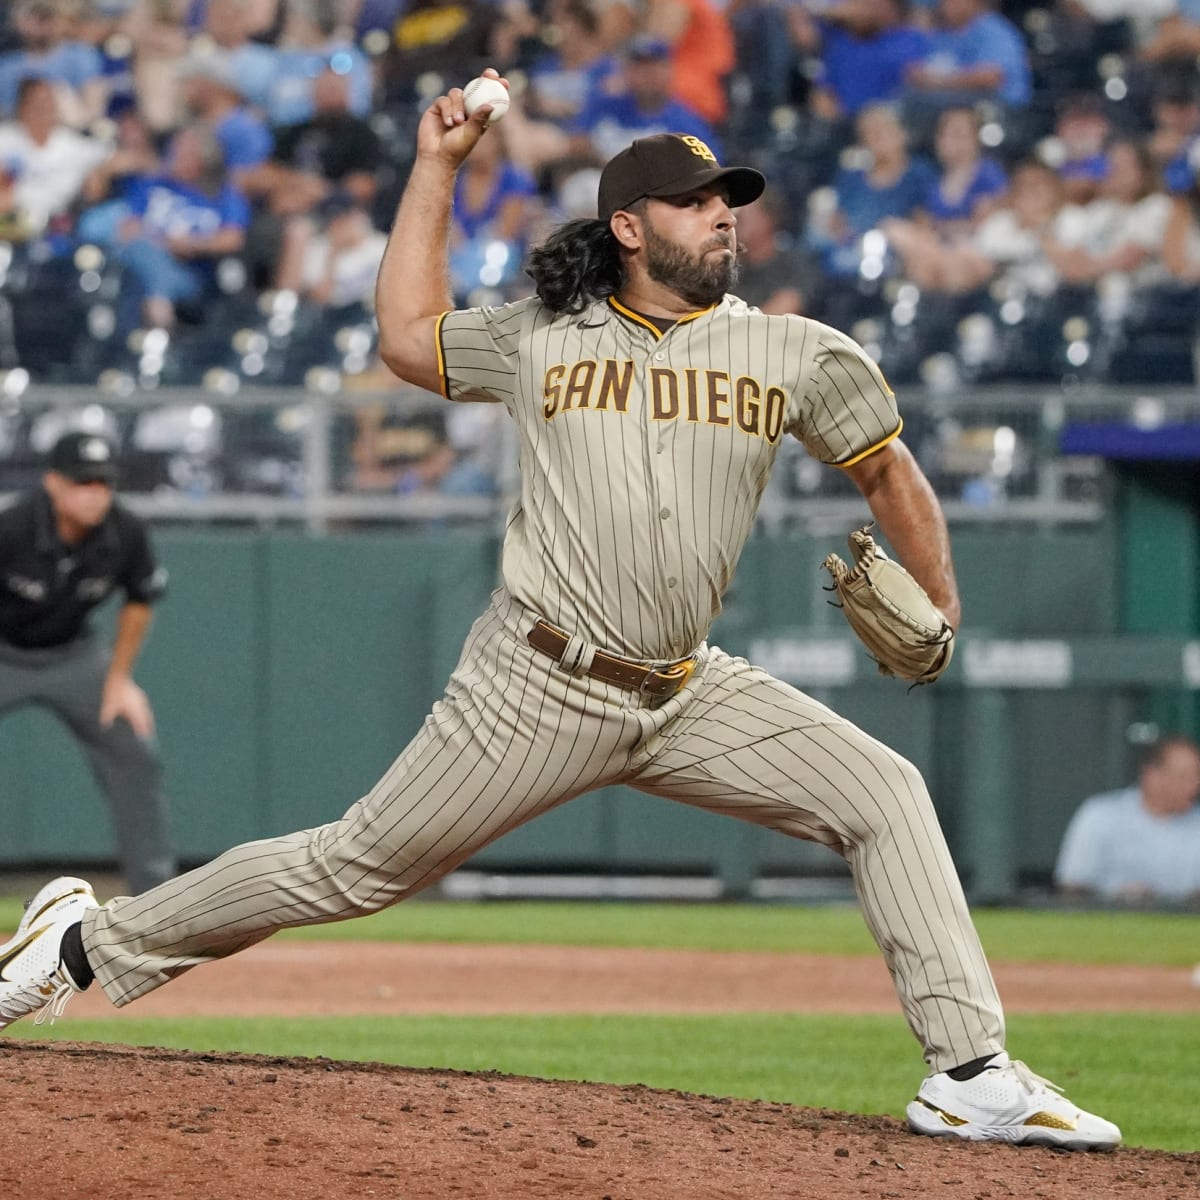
(693, 280)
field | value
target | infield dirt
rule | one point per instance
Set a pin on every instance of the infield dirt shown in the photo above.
(87, 1122)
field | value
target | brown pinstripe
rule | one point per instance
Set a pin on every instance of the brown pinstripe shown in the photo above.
(629, 525)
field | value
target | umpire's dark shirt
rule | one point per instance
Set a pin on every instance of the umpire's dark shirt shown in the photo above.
(47, 589)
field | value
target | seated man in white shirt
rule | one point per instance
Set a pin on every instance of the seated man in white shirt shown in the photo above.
(43, 162)
(1142, 843)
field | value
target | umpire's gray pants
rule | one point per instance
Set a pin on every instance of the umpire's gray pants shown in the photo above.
(69, 681)
(514, 736)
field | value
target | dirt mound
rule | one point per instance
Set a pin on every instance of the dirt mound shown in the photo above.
(88, 1122)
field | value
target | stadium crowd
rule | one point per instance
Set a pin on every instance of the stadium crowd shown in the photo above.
(1005, 191)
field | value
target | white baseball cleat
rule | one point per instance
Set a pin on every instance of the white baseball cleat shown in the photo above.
(33, 978)
(1007, 1102)
(57, 896)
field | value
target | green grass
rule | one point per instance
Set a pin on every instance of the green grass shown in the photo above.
(1140, 1070)
(1015, 935)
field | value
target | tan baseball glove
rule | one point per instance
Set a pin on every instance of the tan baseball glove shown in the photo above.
(893, 616)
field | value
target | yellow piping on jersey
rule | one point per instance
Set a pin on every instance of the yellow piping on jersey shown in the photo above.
(441, 356)
(871, 450)
(633, 316)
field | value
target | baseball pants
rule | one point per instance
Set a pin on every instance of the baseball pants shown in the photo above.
(69, 680)
(513, 737)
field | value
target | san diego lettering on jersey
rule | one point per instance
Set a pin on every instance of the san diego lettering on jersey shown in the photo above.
(705, 396)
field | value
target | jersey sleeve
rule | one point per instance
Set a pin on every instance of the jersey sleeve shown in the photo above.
(847, 409)
(143, 580)
(478, 351)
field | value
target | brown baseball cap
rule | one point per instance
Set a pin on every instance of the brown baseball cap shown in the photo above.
(666, 165)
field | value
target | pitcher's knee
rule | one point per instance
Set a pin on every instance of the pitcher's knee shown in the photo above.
(895, 790)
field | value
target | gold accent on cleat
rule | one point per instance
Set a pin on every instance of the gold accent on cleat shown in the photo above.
(948, 1118)
(1049, 1121)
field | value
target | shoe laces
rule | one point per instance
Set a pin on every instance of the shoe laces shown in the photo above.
(1030, 1080)
(52, 1010)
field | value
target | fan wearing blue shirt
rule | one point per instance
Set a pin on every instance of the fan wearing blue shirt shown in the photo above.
(975, 53)
(1142, 843)
(181, 224)
(312, 44)
(644, 109)
(47, 53)
(891, 185)
(865, 48)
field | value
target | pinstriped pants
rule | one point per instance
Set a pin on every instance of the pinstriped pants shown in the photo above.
(515, 736)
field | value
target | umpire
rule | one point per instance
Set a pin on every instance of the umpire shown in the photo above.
(64, 548)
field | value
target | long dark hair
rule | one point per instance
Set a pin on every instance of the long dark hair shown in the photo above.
(576, 265)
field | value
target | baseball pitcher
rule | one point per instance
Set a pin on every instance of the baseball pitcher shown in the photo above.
(650, 404)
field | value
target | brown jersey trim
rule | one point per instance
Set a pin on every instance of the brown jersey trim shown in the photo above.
(637, 317)
(441, 354)
(693, 316)
(871, 449)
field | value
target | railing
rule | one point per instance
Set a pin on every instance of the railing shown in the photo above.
(318, 458)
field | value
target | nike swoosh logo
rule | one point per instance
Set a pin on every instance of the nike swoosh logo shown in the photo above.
(21, 946)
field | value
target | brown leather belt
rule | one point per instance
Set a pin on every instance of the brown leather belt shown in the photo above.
(658, 682)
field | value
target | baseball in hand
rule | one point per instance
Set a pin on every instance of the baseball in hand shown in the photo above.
(485, 90)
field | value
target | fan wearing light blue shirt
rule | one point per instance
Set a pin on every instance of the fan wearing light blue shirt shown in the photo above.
(974, 52)
(1142, 843)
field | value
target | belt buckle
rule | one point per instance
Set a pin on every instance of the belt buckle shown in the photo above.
(679, 674)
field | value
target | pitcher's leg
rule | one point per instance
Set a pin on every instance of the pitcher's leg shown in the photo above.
(481, 765)
(752, 747)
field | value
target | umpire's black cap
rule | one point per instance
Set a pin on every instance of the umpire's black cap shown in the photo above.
(84, 457)
(665, 165)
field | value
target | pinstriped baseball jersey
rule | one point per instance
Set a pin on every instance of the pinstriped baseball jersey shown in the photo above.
(644, 455)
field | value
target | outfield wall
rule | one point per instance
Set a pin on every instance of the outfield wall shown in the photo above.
(287, 671)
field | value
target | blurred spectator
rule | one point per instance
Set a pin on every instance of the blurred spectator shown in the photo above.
(256, 19)
(865, 48)
(890, 184)
(1077, 150)
(43, 162)
(312, 43)
(1141, 843)
(332, 151)
(767, 64)
(1141, 16)
(230, 27)
(134, 155)
(775, 274)
(453, 39)
(495, 206)
(398, 450)
(701, 48)
(1120, 233)
(181, 223)
(1009, 244)
(1177, 37)
(642, 108)
(974, 54)
(342, 259)
(970, 186)
(1181, 239)
(577, 67)
(160, 43)
(75, 68)
(1176, 127)
(212, 92)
